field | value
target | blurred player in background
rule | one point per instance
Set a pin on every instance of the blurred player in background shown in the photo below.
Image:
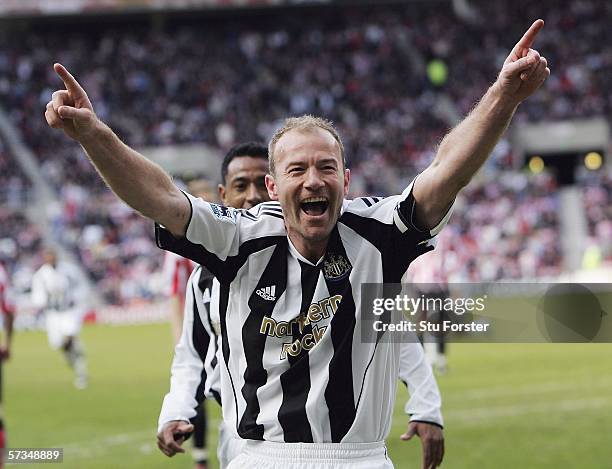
(7, 315)
(177, 270)
(59, 290)
(243, 185)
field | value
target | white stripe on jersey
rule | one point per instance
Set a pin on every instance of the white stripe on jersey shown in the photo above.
(295, 369)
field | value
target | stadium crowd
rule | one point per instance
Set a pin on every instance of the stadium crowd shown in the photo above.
(508, 231)
(366, 68)
(20, 240)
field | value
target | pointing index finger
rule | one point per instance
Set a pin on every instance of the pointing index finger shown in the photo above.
(69, 81)
(526, 41)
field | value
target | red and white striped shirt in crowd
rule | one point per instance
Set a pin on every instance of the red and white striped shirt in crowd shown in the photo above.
(176, 270)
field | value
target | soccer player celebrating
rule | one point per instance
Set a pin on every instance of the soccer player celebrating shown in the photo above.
(305, 391)
(243, 172)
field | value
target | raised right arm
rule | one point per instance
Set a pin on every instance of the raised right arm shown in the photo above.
(139, 182)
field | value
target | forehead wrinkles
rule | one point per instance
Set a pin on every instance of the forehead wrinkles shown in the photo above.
(305, 143)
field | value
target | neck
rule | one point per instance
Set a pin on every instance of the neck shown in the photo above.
(311, 250)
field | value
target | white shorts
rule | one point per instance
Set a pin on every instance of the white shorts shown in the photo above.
(61, 325)
(229, 445)
(270, 455)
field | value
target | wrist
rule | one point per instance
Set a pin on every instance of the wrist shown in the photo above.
(99, 132)
(502, 101)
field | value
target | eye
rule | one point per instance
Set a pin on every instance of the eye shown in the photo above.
(295, 169)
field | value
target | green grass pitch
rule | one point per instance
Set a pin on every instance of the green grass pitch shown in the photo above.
(506, 406)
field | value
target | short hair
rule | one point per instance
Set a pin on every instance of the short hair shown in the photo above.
(254, 149)
(305, 122)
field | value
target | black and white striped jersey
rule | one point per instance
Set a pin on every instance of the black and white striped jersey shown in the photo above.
(293, 366)
(196, 370)
(195, 373)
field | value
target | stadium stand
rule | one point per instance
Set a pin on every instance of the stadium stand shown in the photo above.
(394, 79)
(20, 240)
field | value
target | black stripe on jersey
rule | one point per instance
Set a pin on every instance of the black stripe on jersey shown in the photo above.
(196, 252)
(273, 214)
(296, 380)
(339, 392)
(366, 201)
(205, 282)
(376, 199)
(225, 271)
(248, 215)
(201, 342)
(216, 396)
(254, 342)
(270, 204)
(397, 249)
(272, 208)
(405, 210)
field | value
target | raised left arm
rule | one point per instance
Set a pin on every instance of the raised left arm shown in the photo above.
(464, 150)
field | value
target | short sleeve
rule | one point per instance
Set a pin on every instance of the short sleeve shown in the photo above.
(212, 235)
(397, 210)
(404, 214)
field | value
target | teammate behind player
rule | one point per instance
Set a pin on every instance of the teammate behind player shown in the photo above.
(243, 185)
(177, 270)
(57, 288)
(308, 393)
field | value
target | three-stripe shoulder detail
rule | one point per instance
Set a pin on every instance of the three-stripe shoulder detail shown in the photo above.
(272, 209)
(369, 201)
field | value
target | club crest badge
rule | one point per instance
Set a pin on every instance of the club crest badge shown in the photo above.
(336, 267)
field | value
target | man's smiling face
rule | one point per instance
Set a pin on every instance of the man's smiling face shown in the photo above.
(310, 183)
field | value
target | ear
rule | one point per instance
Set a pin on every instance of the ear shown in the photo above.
(221, 189)
(271, 186)
(347, 180)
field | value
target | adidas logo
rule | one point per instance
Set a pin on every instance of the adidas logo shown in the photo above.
(267, 293)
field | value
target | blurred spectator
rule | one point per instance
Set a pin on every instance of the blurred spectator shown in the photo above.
(597, 190)
(218, 79)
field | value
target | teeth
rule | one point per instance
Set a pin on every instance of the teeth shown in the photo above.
(314, 199)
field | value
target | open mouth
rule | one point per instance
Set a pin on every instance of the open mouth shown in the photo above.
(314, 206)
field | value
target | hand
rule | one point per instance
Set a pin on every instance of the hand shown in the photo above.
(524, 69)
(70, 109)
(172, 436)
(432, 441)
